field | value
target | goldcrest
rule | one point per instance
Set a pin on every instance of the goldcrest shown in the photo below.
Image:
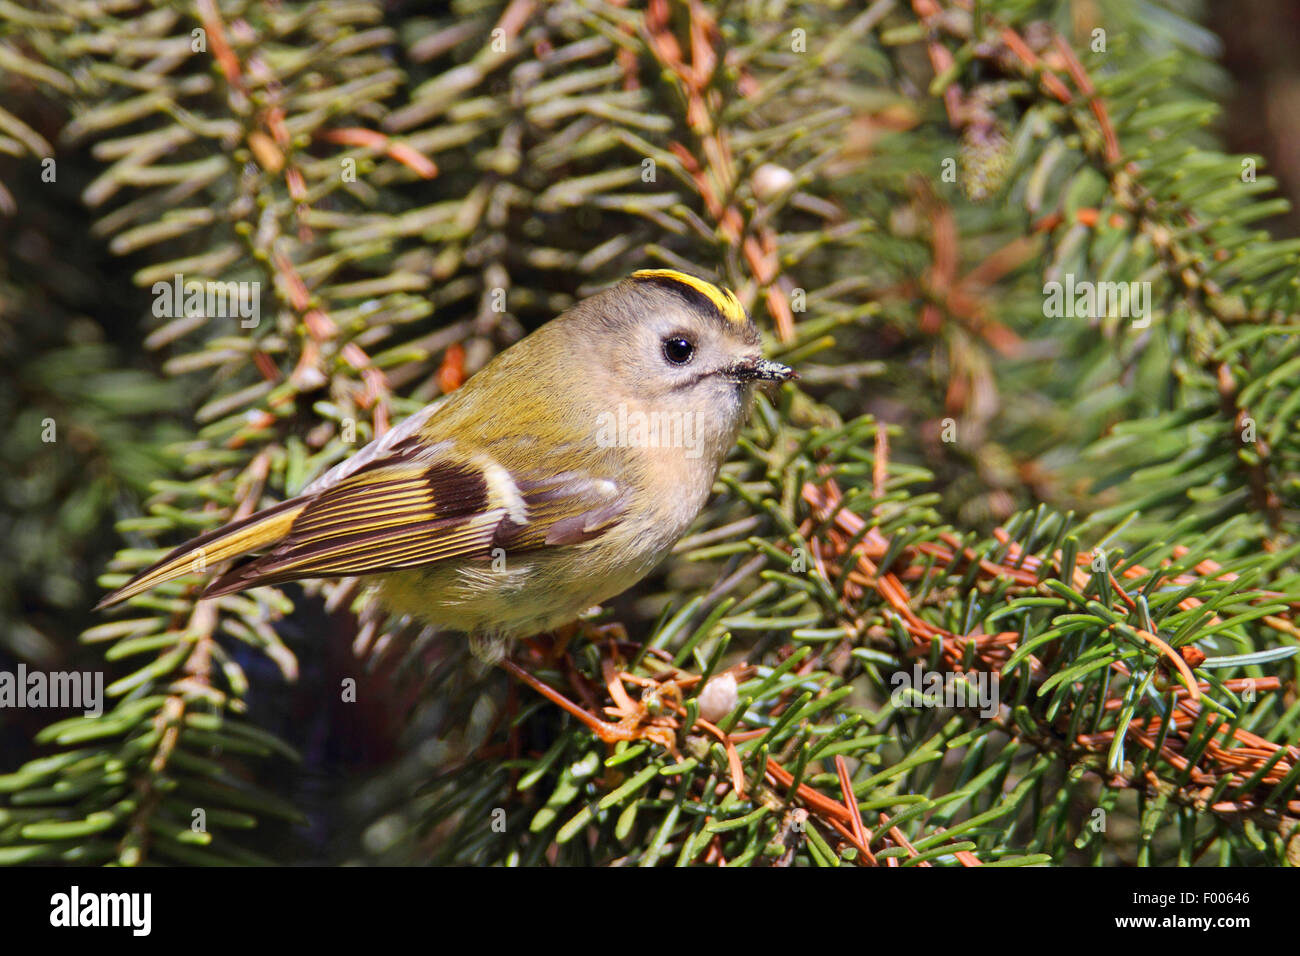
(555, 478)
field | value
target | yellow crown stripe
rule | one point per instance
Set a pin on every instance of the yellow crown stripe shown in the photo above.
(724, 299)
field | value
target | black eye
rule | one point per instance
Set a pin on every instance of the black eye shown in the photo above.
(678, 350)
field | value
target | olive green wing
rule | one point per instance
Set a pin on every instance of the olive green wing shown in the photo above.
(396, 513)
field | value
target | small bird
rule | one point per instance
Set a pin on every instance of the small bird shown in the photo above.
(555, 478)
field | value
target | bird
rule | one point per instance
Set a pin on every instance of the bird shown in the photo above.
(553, 479)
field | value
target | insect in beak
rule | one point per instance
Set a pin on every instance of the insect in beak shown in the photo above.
(760, 370)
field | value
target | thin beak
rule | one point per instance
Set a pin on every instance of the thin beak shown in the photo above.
(761, 370)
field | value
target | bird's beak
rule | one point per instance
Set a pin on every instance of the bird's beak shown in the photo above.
(761, 370)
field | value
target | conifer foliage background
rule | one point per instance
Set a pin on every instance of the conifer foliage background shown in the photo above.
(1100, 511)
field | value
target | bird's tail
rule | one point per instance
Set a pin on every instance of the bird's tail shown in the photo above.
(254, 533)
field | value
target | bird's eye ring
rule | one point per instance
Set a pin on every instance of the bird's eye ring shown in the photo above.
(678, 350)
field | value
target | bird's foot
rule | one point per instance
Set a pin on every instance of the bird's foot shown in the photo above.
(606, 731)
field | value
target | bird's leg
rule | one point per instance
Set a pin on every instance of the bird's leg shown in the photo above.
(637, 722)
(610, 733)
